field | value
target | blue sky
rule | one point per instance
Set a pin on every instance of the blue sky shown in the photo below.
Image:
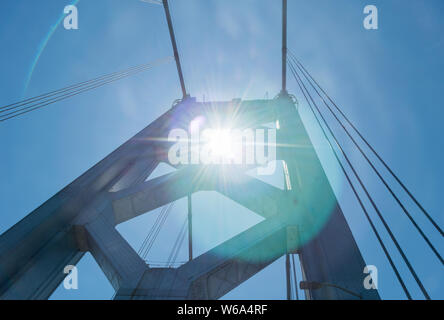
(388, 81)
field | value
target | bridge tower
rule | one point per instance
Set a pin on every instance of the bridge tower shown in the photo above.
(303, 219)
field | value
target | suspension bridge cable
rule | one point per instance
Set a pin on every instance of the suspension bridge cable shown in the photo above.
(432, 221)
(292, 287)
(149, 236)
(406, 261)
(375, 231)
(67, 95)
(59, 98)
(67, 88)
(73, 93)
(429, 243)
(147, 248)
(151, 231)
(39, 105)
(295, 278)
(179, 245)
(159, 227)
(174, 45)
(155, 233)
(175, 257)
(179, 235)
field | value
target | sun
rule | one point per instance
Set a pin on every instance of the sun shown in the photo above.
(220, 143)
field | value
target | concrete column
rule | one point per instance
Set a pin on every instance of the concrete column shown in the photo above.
(117, 259)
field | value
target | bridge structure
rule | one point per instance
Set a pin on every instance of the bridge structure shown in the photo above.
(304, 219)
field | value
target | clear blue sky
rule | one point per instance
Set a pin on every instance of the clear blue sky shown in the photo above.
(388, 81)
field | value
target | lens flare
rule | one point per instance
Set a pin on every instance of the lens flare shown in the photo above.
(42, 47)
(220, 143)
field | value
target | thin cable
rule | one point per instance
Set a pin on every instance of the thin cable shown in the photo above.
(354, 190)
(341, 288)
(70, 94)
(180, 243)
(154, 237)
(179, 235)
(407, 262)
(182, 238)
(27, 109)
(150, 232)
(373, 150)
(398, 276)
(292, 288)
(429, 243)
(295, 278)
(39, 105)
(67, 88)
(155, 234)
(174, 45)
